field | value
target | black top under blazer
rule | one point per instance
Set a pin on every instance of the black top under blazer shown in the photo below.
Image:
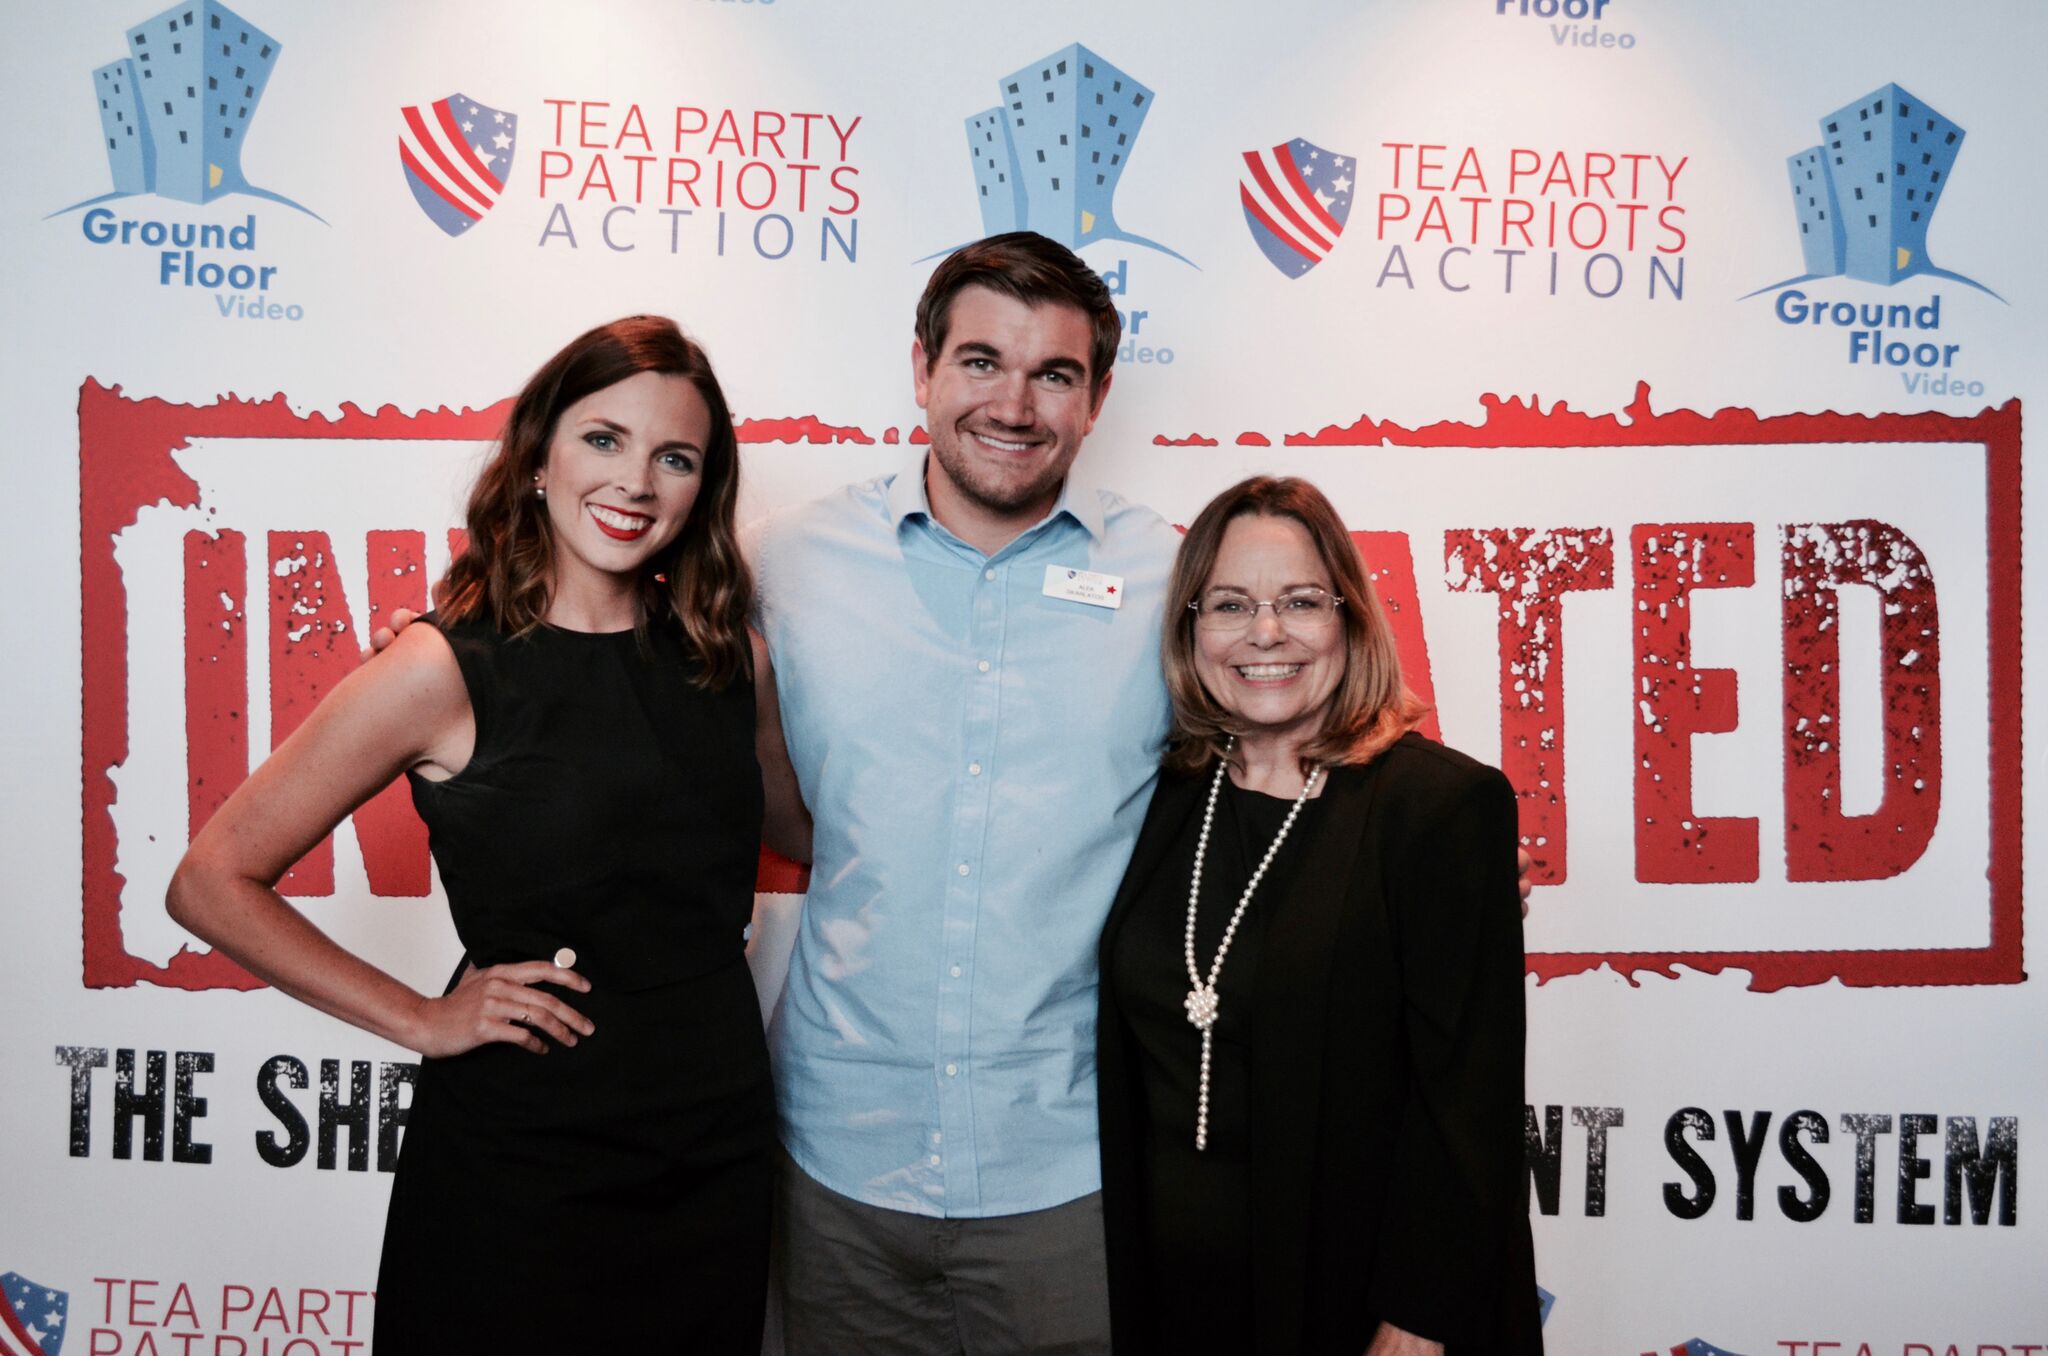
(1388, 1177)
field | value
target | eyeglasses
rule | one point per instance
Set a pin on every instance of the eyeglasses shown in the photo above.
(1227, 611)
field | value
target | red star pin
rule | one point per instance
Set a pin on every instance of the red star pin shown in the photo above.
(1112, 588)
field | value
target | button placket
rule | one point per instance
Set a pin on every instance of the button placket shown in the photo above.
(955, 1172)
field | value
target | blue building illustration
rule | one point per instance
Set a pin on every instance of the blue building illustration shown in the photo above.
(1820, 221)
(177, 109)
(131, 152)
(1048, 157)
(1865, 196)
(995, 173)
(203, 70)
(1888, 153)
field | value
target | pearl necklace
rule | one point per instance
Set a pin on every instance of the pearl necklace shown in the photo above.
(1202, 1001)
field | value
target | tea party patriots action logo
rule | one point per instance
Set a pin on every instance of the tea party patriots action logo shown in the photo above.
(457, 156)
(1296, 199)
(32, 1317)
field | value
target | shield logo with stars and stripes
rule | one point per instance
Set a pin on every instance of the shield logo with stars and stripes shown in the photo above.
(457, 156)
(31, 1317)
(1297, 197)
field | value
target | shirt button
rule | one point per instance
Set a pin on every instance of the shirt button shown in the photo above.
(956, 972)
(952, 1071)
(983, 666)
(962, 868)
(935, 1160)
(988, 574)
(938, 1138)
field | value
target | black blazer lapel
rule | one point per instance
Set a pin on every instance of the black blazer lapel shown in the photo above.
(1297, 957)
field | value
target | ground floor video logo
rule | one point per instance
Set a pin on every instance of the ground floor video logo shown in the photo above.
(175, 114)
(1570, 23)
(1048, 156)
(1864, 198)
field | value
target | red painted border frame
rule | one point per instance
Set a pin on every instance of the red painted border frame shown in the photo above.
(1514, 423)
(125, 463)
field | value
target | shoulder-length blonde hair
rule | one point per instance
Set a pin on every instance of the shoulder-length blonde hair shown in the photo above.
(1371, 707)
(506, 570)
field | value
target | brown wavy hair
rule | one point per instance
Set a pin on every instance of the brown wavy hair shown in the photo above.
(1028, 267)
(1370, 708)
(506, 570)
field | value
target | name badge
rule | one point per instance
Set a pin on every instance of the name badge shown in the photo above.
(1084, 586)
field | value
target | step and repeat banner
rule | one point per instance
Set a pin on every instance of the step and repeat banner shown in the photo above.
(1670, 361)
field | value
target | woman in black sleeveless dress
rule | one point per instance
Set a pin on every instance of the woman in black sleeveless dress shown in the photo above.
(591, 737)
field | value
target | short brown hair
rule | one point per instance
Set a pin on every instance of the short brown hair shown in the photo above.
(506, 570)
(1371, 707)
(1030, 268)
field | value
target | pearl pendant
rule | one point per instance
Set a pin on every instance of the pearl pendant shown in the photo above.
(1202, 1000)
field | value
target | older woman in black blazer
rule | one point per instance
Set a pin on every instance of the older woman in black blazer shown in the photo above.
(1311, 1035)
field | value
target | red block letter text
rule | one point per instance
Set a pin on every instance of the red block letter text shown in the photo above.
(1822, 843)
(1676, 700)
(1532, 570)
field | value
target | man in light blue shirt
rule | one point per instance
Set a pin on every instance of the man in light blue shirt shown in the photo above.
(967, 654)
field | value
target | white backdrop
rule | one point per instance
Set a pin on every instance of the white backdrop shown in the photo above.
(1581, 460)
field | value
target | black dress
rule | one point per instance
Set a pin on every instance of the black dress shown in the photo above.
(1197, 1208)
(613, 1195)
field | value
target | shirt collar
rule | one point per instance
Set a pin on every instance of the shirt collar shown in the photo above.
(906, 493)
(1078, 499)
